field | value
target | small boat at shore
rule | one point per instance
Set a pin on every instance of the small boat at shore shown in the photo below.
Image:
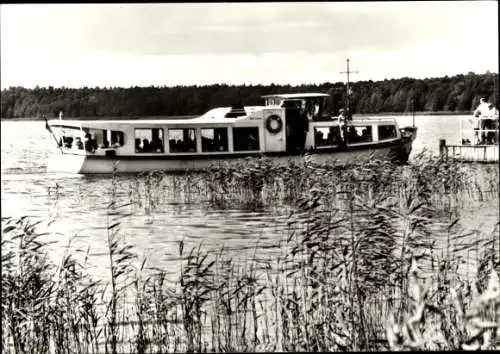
(479, 137)
(286, 128)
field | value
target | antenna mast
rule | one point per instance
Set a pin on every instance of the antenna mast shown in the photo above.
(348, 111)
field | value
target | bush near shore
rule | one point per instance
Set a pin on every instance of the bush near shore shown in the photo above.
(369, 262)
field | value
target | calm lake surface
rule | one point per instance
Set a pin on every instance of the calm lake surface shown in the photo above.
(76, 205)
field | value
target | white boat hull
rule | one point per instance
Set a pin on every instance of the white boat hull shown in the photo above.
(92, 164)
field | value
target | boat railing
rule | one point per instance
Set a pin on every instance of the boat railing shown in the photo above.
(480, 135)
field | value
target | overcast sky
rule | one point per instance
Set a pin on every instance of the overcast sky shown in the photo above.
(75, 45)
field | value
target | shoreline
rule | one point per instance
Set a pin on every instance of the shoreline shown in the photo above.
(118, 118)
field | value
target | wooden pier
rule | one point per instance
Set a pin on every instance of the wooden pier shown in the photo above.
(469, 153)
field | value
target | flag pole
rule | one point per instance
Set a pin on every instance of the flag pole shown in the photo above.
(47, 126)
(348, 108)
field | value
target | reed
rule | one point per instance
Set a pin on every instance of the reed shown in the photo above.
(370, 261)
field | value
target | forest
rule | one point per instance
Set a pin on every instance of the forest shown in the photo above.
(459, 93)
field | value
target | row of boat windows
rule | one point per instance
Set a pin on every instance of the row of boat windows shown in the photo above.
(184, 140)
(152, 140)
(354, 135)
(247, 138)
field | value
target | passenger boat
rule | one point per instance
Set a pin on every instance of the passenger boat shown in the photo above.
(286, 127)
(479, 137)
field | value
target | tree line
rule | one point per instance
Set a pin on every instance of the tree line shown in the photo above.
(460, 93)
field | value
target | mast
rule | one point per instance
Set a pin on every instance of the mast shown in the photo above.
(348, 110)
(413, 111)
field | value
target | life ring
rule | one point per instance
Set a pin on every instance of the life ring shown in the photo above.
(274, 124)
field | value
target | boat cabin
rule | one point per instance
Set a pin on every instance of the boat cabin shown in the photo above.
(286, 124)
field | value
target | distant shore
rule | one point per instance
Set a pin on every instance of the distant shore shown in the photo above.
(439, 113)
(423, 113)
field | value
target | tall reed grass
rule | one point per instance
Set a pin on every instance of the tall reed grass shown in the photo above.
(370, 262)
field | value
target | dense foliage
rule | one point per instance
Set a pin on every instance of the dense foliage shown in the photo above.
(460, 93)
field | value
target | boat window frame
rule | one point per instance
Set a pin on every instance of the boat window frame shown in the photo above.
(123, 138)
(151, 129)
(395, 130)
(356, 143)
(226, 142)
(234, 140)
(195, 140)
(326, 146)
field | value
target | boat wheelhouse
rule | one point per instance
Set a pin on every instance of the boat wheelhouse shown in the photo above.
(286, 127)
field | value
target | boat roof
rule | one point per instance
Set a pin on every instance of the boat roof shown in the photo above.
(297, 95)
(215, 116)
(98, 123)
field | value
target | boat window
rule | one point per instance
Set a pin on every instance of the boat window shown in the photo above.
(246, 138)
(359, 134)
(274, 101)
(297, 104)
(182, 140)
(149, 140)
(67, 137)
(214, 139)
(90, 139)
(387, 132)
(327, 136)
(117, 138)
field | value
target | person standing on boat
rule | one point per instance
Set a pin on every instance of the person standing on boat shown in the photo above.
(491, 123)
(89, 143)
(303, 126)
(78, 143)
(342, 126)
(475, 120)
(481, 123)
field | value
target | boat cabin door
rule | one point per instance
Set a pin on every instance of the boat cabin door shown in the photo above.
(297, 125)
(274, 129)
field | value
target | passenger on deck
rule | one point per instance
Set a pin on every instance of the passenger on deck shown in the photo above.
(341, 115)
(179, 146)
(343, 127)
(252, 142)
(145, 145)
(333, 137)
(105, 144)
(189, 145)
(318, 138)
(89, 143)
(78, 143)
(94, 142)
(219, 144)
(172, 145)
(315, 110)
(491, 124)
(365, 137)
(138, 145)
(156, 145)
(351, 134)
(67, 142)
(476, 123)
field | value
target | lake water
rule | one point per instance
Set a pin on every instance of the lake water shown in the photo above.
(77, 204)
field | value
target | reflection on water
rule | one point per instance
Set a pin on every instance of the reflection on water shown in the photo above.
(76, 205)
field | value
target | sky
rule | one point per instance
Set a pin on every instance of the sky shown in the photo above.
(124, 45)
